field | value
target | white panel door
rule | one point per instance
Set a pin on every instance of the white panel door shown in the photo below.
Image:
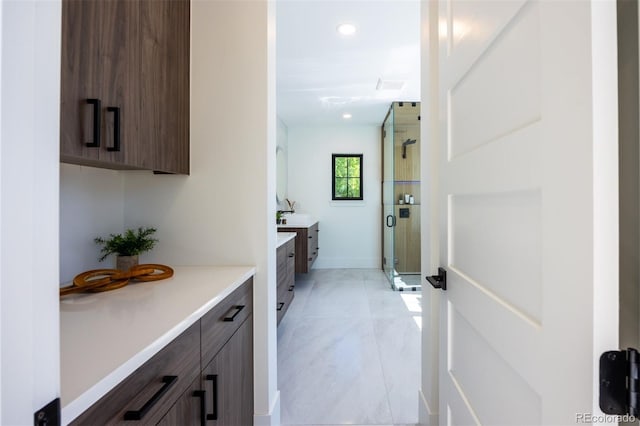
(527, 156)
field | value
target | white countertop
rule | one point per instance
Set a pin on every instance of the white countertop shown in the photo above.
(283, 237)
(104, 337)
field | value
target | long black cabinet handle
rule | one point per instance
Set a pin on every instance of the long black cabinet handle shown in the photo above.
(237, 308)
(139, 414)
(213, 378)
(116, 128)
(291, 287)
(280, 306)
(203, 410)
(97, 106)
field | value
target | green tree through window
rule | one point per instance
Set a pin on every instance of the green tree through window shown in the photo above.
(347, 176)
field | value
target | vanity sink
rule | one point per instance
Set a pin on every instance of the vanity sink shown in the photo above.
(298, 220)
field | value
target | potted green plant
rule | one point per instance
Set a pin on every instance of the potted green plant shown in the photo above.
(127, 247)
(278, 217)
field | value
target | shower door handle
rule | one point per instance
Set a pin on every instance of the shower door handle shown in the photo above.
(393, 221)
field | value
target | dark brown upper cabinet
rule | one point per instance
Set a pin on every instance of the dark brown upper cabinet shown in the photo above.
(125, 84)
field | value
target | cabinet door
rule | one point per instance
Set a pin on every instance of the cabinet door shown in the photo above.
(189, 409)
(100, 60)
(228, 379)
(164, 99)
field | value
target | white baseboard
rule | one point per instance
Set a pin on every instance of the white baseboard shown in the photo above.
(273, 417)
(426, 417)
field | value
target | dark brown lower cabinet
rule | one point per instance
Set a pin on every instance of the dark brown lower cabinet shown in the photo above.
(307, 246)
(189, 410)
(223, 395)
(285, 272)
(228, 381)
(172, 388)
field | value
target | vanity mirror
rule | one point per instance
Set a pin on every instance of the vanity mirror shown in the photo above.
(281, 174)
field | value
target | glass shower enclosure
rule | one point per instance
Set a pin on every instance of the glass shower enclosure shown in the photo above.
(401, 196)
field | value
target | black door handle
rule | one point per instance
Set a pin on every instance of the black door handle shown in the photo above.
(393, 221)
(440, 280)
(280, 306)
(139, 414)
(203, 415)
(213, 378)
(97, 106)
(116, 128)
(237, 308)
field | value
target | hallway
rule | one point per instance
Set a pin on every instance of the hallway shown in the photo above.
(349, 351)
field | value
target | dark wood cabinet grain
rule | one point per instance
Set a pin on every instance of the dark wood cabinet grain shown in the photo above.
(231, 391)
(188, 409)
(132, 55)
(285, 273)
(216, 327)
(164, 84)
(307, 246)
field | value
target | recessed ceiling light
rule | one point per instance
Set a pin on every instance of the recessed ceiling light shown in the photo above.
(346, 29)
(346, 116)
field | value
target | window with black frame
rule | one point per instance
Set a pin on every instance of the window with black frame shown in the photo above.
(347, 182)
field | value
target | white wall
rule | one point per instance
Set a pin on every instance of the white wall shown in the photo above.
(223, 213)
(29, 152)
(349, 230)
(91, 204)
(282, 143)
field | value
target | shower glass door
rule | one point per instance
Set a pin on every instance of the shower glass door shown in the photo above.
(388, 198)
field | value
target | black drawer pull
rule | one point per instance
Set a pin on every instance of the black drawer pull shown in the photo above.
(116, 129)
(310, 237)
(310, 259)
(237, 308)
(97, 106)
(201, 394)
(292, 254)
(292, 287)
(213, 378)
(280, 306)
(139, 414)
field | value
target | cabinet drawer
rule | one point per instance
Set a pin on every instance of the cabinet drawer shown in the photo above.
(151, 385)
(219, 324)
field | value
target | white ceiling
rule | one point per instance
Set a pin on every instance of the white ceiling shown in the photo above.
(322, 74)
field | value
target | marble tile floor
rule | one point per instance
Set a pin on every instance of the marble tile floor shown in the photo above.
(349, 351)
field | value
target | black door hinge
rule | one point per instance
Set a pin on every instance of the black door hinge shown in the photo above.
(619, 383)
(49, 415)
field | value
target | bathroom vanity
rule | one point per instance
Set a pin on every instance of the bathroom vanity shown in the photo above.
(307, 246)
(285, 271)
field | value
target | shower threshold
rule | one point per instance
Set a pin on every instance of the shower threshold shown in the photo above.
(406, 282)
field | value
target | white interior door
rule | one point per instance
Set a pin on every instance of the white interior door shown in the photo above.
(527, 208)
